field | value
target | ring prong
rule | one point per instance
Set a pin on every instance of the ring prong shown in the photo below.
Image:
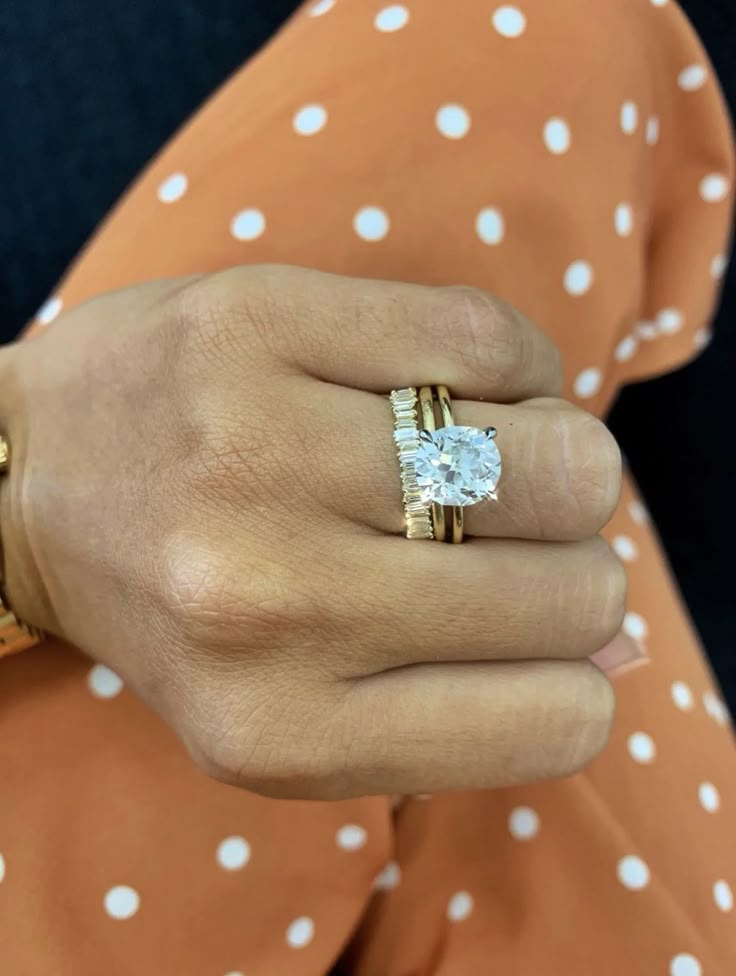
(425, 435)
(491, 432)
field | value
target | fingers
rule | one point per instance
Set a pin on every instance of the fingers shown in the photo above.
(397, 603)
(378, 335)
(560, 479)
(471, 726)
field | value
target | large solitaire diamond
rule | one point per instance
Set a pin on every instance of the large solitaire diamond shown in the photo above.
(457, 465)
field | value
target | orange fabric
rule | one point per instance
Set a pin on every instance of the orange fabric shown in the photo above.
(584, 174)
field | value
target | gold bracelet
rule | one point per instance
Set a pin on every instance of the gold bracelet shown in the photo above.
(14, 634)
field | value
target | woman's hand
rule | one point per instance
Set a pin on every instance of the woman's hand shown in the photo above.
(204, 495)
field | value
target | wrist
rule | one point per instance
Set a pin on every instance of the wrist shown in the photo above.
(23, 589)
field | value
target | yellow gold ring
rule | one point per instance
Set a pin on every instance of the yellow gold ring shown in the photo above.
(444, 467)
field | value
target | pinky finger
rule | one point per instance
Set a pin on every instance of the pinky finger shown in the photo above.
(428, 728)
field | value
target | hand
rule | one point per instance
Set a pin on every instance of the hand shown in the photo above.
(204, 495)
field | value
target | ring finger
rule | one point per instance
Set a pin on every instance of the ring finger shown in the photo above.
(560, 479)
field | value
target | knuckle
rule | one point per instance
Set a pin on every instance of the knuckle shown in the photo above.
(593, 710)
(596, 477)
(276, 748)
(210, 320)
(194, 584)
(217, 602)
(486, 334)
(607, 585)
(615, 584)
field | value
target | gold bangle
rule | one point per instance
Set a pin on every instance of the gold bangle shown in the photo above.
(14, 634)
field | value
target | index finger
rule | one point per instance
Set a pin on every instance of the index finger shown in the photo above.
(380, 335)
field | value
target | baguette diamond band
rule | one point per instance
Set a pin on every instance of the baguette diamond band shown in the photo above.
(406, 437)
(444, 467)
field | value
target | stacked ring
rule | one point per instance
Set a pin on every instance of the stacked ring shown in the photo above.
(406, 437)
(444, 467)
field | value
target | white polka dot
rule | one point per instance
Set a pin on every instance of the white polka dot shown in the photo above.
(300, 933)
(388, 878)
(642, 748)
(629, 117)
(637, 511)
(48, 311)
(682, 696)
(460, 906)
(633, 873)
(371, 223)
(623, 219)
(646, 330)
(248, 225)
(625, 548)
(509, 21)
(714, 187)
(321, 8)
(351, 837)
(235, 973)
(104, 683)
(489, 225)
(715, 708)
(658, 3)
(453, 121)
(685, 965)
(670, 320)
(173, 188)
(233, 853)
(635, 626)
(626, 349)
(652, 131)
(702, 338)
(523, 823)
(723, 896)
(2, 868)
(578, 278)
(122, 902)
(718, 266)
(557, 136)
(709, 797)
(588, 382)
(692, 77)
(310, 119)
(392, 18)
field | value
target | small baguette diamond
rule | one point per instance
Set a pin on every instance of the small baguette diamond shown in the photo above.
(416, 511)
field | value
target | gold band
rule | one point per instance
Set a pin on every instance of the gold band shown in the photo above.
(454, 512)
(426, 405)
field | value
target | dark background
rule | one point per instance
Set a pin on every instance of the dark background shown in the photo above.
(90, 89)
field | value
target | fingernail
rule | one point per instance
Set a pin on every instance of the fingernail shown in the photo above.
(619, 657)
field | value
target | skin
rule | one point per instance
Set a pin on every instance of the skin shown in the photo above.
(204, 496)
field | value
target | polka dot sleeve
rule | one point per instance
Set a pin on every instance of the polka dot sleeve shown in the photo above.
(679, 221)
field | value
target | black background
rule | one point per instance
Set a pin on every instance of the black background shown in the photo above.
(89, 90)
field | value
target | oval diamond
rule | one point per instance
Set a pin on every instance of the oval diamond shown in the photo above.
(457, 465)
